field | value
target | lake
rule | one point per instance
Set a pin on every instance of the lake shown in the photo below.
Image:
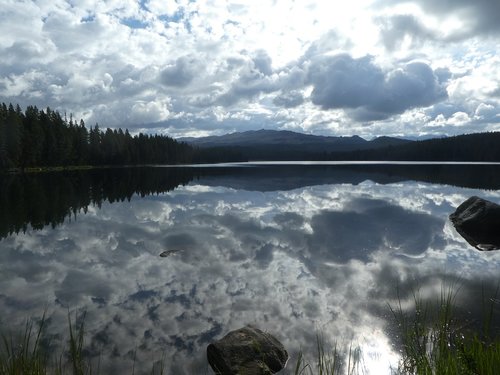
(296, 249)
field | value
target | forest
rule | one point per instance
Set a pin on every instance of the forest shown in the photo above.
(477, 147)
(44, 138)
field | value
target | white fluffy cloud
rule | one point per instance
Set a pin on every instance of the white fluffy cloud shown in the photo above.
(195, 66)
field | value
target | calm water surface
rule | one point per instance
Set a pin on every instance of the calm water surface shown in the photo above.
(294, 250)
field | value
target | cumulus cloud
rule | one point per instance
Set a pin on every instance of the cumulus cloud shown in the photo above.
(254, 77)
(160, 8)
(395, 29)
(478, 17)
(236, 61)
(367, 91)
(487, 112)
(263, 63)
(289, 99)
(181, 73)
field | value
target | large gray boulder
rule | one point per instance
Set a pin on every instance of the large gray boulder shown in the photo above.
(478, 221)
(247, 351)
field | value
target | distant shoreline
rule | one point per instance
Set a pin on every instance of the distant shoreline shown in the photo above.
(244, 164)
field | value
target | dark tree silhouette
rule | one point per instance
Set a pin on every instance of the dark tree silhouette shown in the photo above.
(38, 138)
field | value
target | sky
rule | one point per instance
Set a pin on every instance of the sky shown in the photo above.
(208, 67)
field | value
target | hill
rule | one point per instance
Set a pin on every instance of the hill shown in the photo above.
(287, 145)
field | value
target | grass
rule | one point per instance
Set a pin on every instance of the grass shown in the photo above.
(435, 341)
(330, 362)
(24, 354)
(327, 362)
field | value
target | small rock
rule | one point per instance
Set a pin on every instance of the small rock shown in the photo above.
(167, 253)
(247, 351)
(478, 222)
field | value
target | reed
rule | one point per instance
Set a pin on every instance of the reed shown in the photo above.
(332, 361)
(434, 341)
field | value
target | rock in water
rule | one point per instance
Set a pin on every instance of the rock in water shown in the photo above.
(247, 351)
(478, 221)
(167, 253)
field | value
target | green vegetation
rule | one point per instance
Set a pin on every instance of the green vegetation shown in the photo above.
(434, 341)
(330, 362)
(36, 138)
(24, 354)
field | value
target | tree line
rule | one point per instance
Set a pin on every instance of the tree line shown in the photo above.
(477, 147)
(44, 138)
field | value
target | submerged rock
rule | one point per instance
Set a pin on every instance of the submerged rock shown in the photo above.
(478, 221)
(167, 253)
(247, 351)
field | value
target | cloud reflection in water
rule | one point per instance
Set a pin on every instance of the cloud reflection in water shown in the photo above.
(315, 258)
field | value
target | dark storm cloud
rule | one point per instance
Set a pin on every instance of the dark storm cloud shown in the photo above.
(369, 93)
(480, 16)
(181, 73)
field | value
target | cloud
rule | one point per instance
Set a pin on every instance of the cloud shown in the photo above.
(70, 34)
(367, 92)
(254, 77)
(160, 8)
(289, 99)
(181, 73)
(477, 17)
(395, 29)
(263, 63)
(24, 51)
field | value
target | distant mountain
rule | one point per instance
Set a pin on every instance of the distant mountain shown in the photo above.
(287, 145)
(283, 144)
